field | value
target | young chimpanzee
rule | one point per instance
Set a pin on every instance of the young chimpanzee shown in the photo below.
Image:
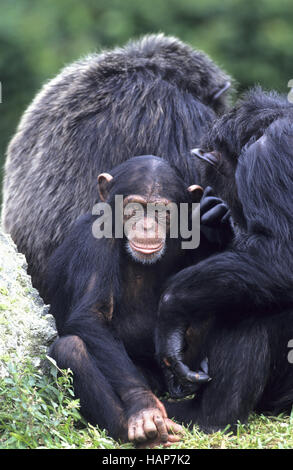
(104, 294)
(242, 298)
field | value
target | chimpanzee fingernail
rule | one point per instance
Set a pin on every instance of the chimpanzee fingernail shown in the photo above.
(201, 377)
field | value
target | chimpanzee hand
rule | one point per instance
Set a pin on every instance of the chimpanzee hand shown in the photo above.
(150, 427)
(215, 218)
(180, 380)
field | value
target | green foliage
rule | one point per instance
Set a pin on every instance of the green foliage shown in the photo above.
(261, 432)
(39, 411)
(18, 84)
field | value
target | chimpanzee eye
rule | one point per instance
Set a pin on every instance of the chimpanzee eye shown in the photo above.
(133, 215)
(163, 217)
(133, 210)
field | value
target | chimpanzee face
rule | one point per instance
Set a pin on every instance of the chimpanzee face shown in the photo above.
(152, 194)
(146, 227)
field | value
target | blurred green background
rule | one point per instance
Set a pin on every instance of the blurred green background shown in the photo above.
(252, 40)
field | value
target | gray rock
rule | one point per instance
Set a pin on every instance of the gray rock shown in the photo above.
(26, 328)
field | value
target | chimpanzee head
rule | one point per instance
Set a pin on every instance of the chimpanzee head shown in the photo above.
(180, 65)
(150, 191)
(230, 137)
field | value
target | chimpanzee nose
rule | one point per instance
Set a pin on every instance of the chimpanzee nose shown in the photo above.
(149, 223)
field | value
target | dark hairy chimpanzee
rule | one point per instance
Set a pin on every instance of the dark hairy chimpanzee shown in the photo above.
(104, 294)
(153, 96)
(240, 301)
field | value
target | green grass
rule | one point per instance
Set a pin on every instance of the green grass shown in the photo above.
(39, 411)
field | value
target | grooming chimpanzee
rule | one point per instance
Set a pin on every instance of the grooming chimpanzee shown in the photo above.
(242, 298)
(154, 96)
(104, 295)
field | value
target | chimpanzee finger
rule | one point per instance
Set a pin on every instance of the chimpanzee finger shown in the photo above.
(226, 217)
(131, 432)
(205, 365)
(208, 202)
(173, 438)
(175, 432)
(208, 191)
(184, 374)
(161, 427)
(185, 389)
(139, 433)
(177, 391)
(150, 428)
(174, 387)
(214, 215)
(173, 427)
(197, 377)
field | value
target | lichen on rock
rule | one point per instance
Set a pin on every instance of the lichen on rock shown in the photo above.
(26, 327)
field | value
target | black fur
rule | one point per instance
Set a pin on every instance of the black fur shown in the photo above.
(154, 96)
(245, 293)
(105, 304)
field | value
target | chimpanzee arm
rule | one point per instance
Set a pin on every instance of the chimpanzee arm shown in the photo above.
(232, 284)
(110, 353)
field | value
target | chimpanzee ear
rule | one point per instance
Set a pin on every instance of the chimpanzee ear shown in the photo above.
(217, 92)
(196, 192)
(103, 181)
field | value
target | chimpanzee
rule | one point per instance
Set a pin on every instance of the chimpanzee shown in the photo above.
(104, 293)
(240, 302)
(154, 96)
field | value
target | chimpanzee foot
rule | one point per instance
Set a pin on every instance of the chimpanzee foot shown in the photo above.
(175, 433)
(151, 427)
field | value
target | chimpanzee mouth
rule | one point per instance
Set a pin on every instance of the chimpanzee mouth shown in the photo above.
(147, 249)
(146, 255)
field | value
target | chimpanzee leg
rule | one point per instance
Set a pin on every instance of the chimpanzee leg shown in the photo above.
(239, 362)
(99, 403)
